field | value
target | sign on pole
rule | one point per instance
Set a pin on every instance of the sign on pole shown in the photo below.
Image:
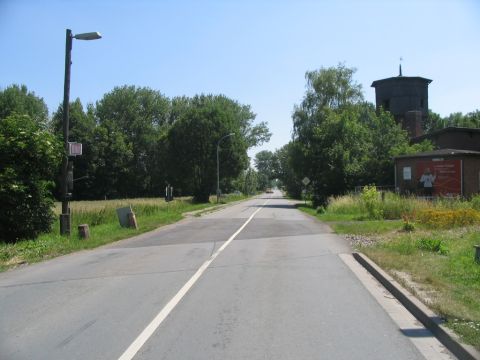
(74, 149)
(306, 181)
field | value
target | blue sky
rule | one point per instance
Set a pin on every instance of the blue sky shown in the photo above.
(256, 52)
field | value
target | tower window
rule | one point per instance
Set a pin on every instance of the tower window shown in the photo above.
(422, 103)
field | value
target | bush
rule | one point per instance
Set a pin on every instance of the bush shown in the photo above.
(448, 218)
(408, 223)
(432, 244)
(371, 202)
(475, 202)
(29, 158)
(320, 209)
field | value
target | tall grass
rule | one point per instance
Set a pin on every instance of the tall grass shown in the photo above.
(393, 206)
(345, 205)
(100, 212)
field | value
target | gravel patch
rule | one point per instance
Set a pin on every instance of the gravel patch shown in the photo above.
(359, 240)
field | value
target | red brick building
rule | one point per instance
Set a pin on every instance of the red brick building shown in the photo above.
(452, 173)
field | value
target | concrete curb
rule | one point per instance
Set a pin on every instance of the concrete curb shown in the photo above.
(427, 317)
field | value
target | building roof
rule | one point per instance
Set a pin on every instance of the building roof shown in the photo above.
(447, 130)
(441, 152)
(400, 78)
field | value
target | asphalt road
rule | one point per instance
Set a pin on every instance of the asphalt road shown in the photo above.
(277, 290)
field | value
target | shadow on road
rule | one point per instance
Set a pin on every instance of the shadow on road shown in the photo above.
(271, 197)
(273, 206)
(416, 333)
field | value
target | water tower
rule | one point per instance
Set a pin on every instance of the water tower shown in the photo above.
(406, 98)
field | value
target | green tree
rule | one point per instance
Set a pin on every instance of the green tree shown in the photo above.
(385, 139)
(141, 117)
(82, 129)
(247, 182)
(343, 141)
(433, 122)
(16, 99)
(288, 158)
(265, 164)
(436, 122)
(111, 165)
(25, 185)
(192, 142)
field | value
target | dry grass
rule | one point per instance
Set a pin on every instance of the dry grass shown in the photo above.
(97, 205)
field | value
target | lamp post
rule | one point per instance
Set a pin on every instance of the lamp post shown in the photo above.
(218, 165)
(65, 215)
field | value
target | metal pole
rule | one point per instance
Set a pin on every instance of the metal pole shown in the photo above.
(218, 173)
(65, 216)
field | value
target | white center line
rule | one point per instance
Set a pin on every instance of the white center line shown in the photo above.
(162, 315)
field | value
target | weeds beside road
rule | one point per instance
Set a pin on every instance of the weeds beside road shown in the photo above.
(427, 246)
(104, 227)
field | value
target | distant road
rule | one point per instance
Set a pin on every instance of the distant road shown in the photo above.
(257, 280)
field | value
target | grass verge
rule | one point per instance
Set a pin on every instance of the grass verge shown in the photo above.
(437, 265)
(104, 227)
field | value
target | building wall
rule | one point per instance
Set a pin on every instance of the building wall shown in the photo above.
(457, 139)
(470, 174)
(405, 186)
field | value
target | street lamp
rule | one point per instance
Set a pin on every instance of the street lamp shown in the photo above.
(218, 165)
(65, 215)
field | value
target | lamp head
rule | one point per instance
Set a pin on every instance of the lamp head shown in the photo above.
(88, 36)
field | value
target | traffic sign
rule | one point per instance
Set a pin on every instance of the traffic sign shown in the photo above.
(74, 149)
(306, 181)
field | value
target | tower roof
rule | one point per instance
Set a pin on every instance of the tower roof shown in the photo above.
(400, 78)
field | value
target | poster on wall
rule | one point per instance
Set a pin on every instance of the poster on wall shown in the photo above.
(438, 177)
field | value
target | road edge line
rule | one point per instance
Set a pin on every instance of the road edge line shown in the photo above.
(141, 339)
(426, 316)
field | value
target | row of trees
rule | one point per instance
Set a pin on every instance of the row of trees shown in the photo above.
(135, 140)
(457, 119)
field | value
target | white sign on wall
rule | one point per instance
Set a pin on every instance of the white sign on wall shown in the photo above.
(407, 173)
(74, 149)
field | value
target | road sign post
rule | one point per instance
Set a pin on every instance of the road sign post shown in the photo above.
(305, 182)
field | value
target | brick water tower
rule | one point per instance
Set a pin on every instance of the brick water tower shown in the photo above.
(406, 98)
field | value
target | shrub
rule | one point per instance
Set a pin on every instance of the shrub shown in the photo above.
(448, 218)
(29, 157)
(371, 202)
(475, 202)
(320, 209)
(408, 223)
(432, 244)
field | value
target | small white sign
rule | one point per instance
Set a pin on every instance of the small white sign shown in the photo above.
(306, 181)
(407, 173)
(74, 149)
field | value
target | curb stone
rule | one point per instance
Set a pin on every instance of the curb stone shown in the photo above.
(427, 317)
